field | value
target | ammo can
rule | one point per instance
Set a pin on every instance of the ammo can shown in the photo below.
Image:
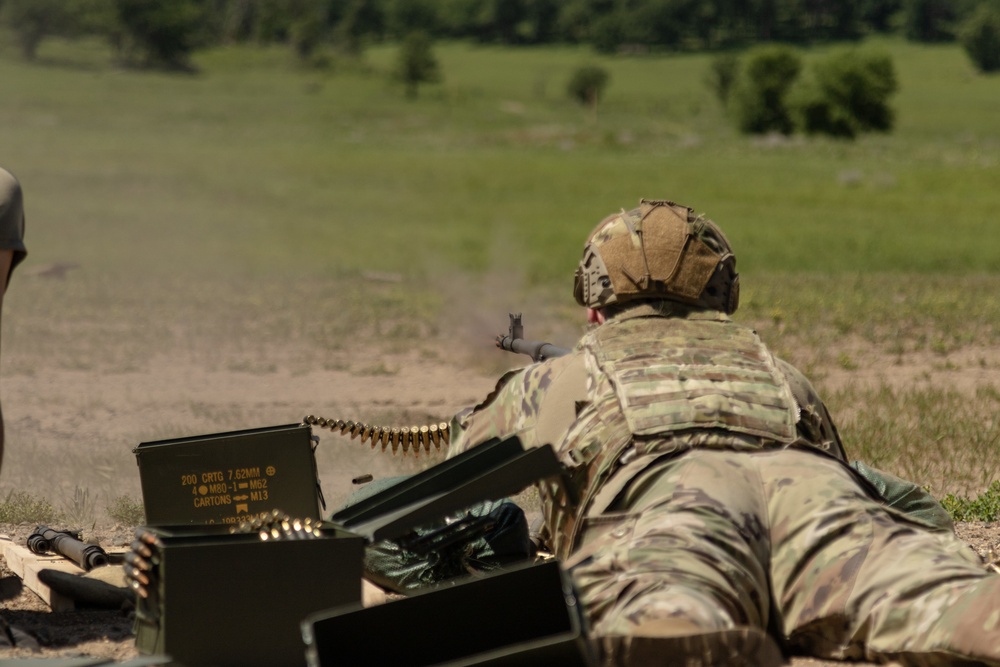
(229, 477)
(233, 600)
(526, 616)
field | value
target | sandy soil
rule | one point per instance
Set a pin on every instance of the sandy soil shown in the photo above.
(71, 428)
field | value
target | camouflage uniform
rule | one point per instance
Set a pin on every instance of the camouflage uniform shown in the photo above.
(712, 493)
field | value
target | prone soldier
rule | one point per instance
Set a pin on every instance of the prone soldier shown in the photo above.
(718, 521)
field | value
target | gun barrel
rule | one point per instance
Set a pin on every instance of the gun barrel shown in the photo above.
(537, 350)
(514, 342)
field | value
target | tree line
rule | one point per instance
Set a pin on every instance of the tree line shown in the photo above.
(164, 33)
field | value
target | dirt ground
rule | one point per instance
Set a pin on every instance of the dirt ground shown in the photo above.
(107, 633)
(71, 429)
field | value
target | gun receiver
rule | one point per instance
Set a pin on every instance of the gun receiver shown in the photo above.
(68, 544)
(537, 350)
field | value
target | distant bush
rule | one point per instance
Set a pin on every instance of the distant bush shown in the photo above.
(849, 95)
(722, 75)
(587, 84)
(417, 63)
(980, 36)
(126, 511)
(22, 507)
(760, 101)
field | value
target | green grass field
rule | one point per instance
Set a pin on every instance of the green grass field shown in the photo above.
(261, 184)
(255, 163)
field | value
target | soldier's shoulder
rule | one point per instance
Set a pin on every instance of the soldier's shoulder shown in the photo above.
(796, 378)
(515, 384)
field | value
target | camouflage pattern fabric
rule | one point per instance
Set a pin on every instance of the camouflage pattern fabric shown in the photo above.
(787, 540)
(718, 528)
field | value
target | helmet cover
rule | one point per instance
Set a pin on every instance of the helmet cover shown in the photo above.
(660, 250)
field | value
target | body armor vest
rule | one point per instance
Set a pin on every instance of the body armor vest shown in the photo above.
(659, 385)
(693, 374)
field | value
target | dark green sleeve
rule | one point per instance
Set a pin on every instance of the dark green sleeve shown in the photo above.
(906, 497)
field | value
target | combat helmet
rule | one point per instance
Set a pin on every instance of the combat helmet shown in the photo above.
(660, 250)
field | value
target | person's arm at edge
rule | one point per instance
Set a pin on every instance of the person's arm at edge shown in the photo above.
(6, 260)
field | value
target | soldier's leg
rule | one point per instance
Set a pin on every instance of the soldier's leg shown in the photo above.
(853, 580)
(686, 557)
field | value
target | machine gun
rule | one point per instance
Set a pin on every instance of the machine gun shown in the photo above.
(514, 342)
(521, 614)
(69, 544)
(415, 438)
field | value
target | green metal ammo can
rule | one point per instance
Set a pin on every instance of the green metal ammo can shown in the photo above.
(224, 594)
(233, 600)
(229, 477)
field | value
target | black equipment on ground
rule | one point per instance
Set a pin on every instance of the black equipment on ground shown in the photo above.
(69, 544)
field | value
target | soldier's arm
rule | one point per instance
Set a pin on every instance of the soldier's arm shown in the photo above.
(537, 403)
(497, 416)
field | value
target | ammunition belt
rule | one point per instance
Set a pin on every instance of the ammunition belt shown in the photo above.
(273, 526)
(406, 438)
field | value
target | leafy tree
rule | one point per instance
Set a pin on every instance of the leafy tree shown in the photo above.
(576, 18)
(31, 21)
(458, 17)
(307, 27)
(659, 22)
(158, 33)
(776, 19)
(850, 95)
(980, 37)
(709, 22)
(406, 16)
(505, 21)
(269, 21)
(499, 19)
(416, 63)
(587, 84)
(834, 20)
(237, 20)
(361, 18)
(928, 20)
(674, 24)
(760, 95)
(878, 14)
(608, 32)
(540, 21)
